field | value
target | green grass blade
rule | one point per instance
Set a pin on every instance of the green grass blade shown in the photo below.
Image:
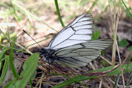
(127, 10)
(124, 67)
(115, 85)
(94, 3)
(127, 67)
(5, 69)
(83, 77)
(4, 34)
(29, 68)
(73, 80)
(129, 79)
(58, 12)
(12, 59)
(10, 84)
(2, 54)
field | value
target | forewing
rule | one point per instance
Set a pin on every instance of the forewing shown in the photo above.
(82, 53)
(78, 31)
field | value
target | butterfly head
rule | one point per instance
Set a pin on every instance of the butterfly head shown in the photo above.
(47, 53)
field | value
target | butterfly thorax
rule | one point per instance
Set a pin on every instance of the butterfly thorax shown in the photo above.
(47, 53)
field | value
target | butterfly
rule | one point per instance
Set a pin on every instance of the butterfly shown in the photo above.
(73, 45)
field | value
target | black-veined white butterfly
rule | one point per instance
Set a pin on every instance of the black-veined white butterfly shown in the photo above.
(73, 45)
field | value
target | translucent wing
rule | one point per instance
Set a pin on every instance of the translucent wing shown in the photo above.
(82, 53)
(78, 31)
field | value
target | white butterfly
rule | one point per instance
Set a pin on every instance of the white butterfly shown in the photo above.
(73, 45)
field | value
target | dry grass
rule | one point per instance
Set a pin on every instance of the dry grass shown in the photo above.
(41, 21)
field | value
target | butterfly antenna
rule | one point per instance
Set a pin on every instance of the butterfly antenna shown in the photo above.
(31, 37)
(39, 46)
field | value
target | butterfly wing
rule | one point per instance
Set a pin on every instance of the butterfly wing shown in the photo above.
(82, 53)
(78, 31)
